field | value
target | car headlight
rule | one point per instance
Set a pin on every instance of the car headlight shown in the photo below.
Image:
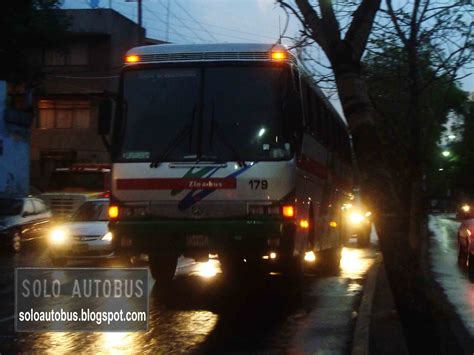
(107, 237)
(466, 208)
(356, 218)
(58, 236)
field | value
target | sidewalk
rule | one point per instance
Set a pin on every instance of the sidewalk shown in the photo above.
(378, 329)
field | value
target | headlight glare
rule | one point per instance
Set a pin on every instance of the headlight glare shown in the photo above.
(107, 237)
(356, 217)
(58, 236)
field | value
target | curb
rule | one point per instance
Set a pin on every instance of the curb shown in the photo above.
(360, 342)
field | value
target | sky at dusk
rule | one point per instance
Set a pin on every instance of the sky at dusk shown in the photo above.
(204, 21)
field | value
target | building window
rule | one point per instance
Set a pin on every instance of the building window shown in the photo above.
(64, 114)
(72, 54)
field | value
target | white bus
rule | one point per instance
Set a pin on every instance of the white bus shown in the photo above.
(228, 149)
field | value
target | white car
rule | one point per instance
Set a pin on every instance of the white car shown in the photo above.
(84, 237)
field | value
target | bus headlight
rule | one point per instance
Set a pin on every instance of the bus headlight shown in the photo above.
(58, 236)
(466, 208)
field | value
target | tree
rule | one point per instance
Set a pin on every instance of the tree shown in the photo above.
(440, 33)
(421, 56)
(25, 25)
(344, 53)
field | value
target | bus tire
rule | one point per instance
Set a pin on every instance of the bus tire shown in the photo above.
(470, 266)
(294, 268)
(163, 267)
(363, 239)
(462, 257)
(331, 259)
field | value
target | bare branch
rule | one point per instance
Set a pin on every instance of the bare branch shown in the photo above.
(395, 22)
(313, 21)
(329, 21)
(361, 26)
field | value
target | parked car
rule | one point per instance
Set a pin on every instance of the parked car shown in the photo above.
(22, 220)
(465, 211)
(84, 237)
(466, 245)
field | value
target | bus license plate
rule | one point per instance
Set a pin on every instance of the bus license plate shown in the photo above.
(197, 240)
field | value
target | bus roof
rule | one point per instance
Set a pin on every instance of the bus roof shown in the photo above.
(207, 52)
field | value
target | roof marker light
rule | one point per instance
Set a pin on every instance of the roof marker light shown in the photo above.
(278, 55)
(133, 58)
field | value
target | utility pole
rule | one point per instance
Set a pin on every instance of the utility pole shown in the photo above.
(139, 3)
(168, 21)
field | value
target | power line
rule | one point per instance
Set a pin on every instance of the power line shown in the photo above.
(185, 38)
(159, 19)
(182, 22)
(235, 35)
(196, 21)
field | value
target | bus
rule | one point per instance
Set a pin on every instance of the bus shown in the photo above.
(68, 188)
(227, 149)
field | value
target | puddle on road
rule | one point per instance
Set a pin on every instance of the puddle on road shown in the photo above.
(452, 279)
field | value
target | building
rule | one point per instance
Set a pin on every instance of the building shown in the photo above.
(78, 74)
(14, 148)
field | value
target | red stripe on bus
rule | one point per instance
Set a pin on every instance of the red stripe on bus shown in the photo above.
(312, 166)
(176, 184)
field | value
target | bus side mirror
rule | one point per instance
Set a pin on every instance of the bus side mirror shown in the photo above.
(105, 116)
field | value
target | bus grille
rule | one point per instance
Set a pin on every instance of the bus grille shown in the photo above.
(64, 206)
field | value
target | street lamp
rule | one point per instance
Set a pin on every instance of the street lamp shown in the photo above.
(451, 137)
(446, 153)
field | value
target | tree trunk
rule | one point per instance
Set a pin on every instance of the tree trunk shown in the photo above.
(377, 183)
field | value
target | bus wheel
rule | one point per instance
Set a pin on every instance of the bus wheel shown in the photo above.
(163, 267)
(470, 266)
(331, 259)
(363, 239)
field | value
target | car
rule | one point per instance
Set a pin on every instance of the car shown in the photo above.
(465, 211)
(466, 245)
(84, 237)
(22, 219)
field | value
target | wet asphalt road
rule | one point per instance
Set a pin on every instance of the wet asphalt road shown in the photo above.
(207, 315)
(450, 276)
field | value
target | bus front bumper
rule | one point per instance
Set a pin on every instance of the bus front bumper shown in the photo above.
(213, 236)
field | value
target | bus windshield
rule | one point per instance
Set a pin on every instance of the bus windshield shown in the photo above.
(218, 113)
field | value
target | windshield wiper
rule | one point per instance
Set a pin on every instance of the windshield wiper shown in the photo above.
(175, 141)
(224, 140)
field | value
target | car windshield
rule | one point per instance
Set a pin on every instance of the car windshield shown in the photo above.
(218, 113)
(10, 207)
(92, 211)
(76, 180)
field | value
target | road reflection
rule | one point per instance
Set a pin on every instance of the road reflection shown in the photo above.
(202, 310)
(355, 262)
